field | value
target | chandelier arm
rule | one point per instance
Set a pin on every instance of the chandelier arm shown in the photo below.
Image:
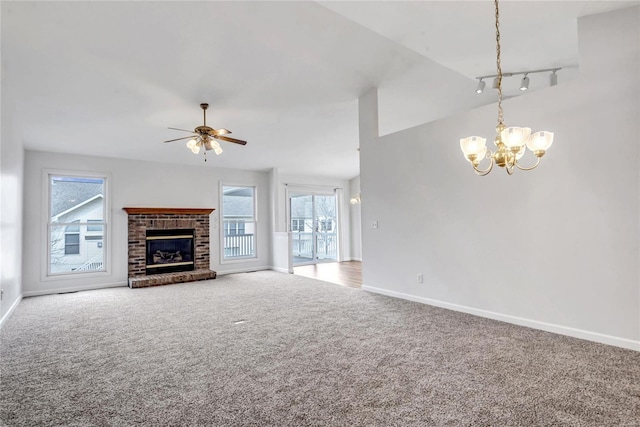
(529, 168)
(481, 172)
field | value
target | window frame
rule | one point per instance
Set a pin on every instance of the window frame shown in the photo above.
(46, 273)
(238, 259)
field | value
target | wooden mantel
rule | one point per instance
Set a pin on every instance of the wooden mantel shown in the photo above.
(170, 211)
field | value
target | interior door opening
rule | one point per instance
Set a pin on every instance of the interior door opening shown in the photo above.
(313, 222)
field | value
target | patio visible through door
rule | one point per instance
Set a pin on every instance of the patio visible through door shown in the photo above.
(314, 227)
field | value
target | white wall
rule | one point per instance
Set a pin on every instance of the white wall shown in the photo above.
(11, 177)
(556, 248)
(141, 184)
(356, 222)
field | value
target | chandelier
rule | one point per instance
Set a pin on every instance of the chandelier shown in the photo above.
(511, 142)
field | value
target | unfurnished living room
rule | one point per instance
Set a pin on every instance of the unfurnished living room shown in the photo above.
(320, 213)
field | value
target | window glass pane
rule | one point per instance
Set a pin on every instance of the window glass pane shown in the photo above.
(76, 198)
(76, 224)
(238, 212)
(71, 244)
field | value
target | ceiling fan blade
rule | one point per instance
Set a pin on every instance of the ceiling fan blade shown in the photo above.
(183, 130)
(235, 141)
(178, 139)
(217, 132)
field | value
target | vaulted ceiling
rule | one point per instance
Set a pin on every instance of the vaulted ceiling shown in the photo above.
(109, 78)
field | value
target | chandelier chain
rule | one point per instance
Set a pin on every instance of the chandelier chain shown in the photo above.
(498, 65)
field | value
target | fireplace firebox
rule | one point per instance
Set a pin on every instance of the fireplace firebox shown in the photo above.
(169, 251)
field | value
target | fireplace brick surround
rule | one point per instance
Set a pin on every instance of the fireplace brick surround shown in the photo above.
(143, 219)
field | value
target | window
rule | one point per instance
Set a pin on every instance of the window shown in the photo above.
(326, 225)
(233, 228)
(94, 225)
(75, 241)
(239, 222)
(72, 239)
(297, 225)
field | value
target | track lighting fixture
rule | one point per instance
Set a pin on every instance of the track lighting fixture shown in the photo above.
(524, 83)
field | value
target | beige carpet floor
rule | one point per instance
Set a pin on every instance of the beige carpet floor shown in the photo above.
(269, 349)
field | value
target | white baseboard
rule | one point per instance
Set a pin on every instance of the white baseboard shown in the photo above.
(521, 321)
(13, 307)
(73, 289)
(282, 270)
(243, 270)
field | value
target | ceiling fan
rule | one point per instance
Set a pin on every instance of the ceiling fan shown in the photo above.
(205, 136)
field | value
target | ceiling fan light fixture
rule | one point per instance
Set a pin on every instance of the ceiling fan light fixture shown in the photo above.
(192, 145)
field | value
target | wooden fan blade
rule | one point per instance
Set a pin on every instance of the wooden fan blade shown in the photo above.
(183, 130)
(178, 139)
(235, 141)
(217, 132)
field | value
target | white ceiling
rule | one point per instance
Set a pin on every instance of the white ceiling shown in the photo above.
(109, 78)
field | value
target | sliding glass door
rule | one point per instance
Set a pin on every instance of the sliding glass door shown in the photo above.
(314, 226)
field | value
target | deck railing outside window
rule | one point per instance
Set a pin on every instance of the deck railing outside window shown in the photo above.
(327, 246)
(239, 245)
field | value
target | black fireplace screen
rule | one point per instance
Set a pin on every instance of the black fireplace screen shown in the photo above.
(169, 251)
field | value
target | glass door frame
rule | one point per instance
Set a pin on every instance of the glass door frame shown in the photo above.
(293, 192)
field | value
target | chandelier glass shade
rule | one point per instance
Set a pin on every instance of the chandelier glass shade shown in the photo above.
(511, 142)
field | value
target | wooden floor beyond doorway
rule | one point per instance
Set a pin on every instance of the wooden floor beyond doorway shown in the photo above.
(348, 273)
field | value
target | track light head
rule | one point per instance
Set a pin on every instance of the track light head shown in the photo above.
(494, 85)
(524, 84)
(553, 78)
(481, 85)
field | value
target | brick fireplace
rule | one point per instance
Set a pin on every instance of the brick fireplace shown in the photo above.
(153, 223)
